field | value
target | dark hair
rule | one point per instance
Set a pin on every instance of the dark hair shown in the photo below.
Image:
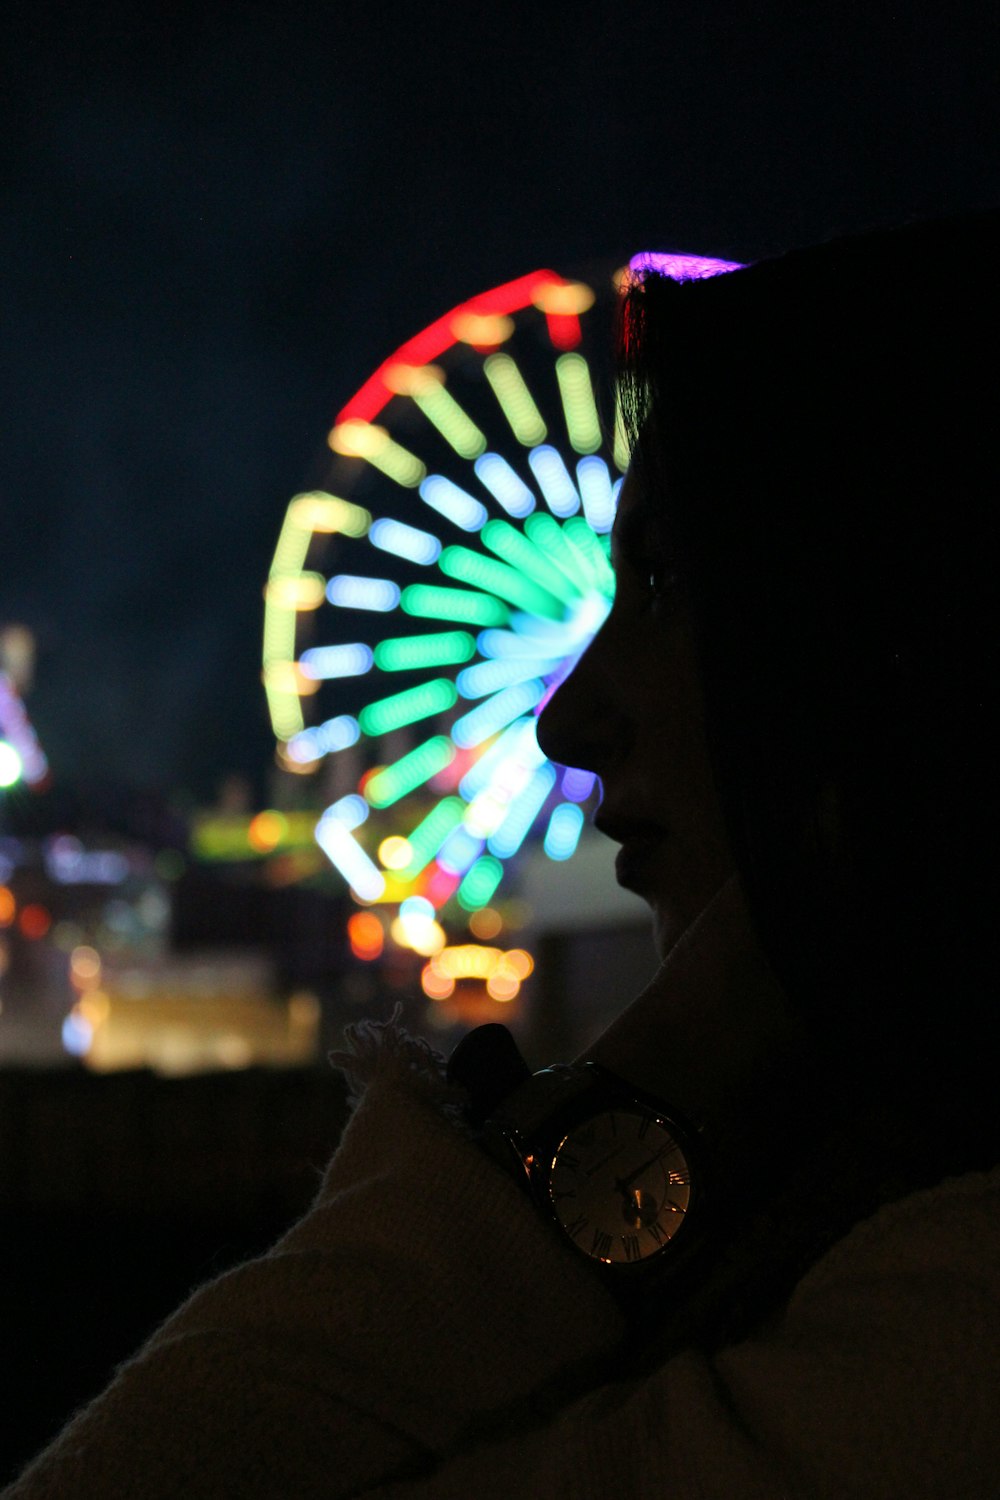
(820, 434)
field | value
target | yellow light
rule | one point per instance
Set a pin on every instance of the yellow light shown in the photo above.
(357, 439)
(482, 330)
(485, 923)
(266, 831)
(520, 961)
(516, 401)
(569, 297)
(296, 591)
(8, 906)
(434, 985)
(395, 852)
(413, 380)
(84, 967)
(318, 511)
(422, 934)
(503, 986)
(94, 1007)
(288, 677)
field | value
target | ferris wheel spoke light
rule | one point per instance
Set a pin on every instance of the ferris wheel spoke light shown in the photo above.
(505, 485)
(513, 547)
(588, 547)
(490, 676)
(563, 832)
(459, 850)
(583, 426)
(516, 401)
(496, 713)
(558, 489)
(316, 510)
(407, 707)
(452, 502)
(577, 785)
(495, 577)
(523, 811)
(430, 833)
(325, 739)
(479, 883)
(351, 592)
(435, 602)
(410, 771)
(322, 662)
(451, 420)
(408, 653)
(508, 644)
(518, 740)
(356, 438)
(346, 855)
(598, 497)
(405, 541)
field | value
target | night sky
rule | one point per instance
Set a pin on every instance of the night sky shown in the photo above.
(218, 219)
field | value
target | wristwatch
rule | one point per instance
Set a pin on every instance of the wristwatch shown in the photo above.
(615, 1171)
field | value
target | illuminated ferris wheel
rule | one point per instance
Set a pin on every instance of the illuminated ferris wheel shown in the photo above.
(422, 606)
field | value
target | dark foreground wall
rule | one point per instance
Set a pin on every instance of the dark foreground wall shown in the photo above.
(119, 1194)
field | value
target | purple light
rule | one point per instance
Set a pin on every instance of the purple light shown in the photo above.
(682, 267)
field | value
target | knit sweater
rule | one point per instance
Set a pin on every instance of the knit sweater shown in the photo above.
(421, 1334)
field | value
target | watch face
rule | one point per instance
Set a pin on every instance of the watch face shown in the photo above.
(620, 1185)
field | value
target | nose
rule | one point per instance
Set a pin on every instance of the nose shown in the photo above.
(583, 723)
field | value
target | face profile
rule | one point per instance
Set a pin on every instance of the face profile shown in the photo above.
(632, 712)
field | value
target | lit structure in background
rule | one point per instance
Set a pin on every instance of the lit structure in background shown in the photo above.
(422, 606)
(21, 756)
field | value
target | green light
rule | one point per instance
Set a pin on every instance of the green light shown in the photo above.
(429, 834)
(409, 653)
(11, 765)
(577, 392)
(437, 603)
(590, 549)
(522, 553)
(546, 533)
(515, 399)
(486, 573)
(407, 707)
(479, 883)
(410, 771)
(451, 420)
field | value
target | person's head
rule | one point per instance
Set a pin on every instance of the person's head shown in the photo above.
(796, 677)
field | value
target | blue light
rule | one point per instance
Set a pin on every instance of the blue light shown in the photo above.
(554, 482)
(595, 487)
(405, 541)
(416, 906)
(351, 592)
(497, 712)
(452, 502)
(563, 833)
(489, 676)
(504, 485)
(459, 850)
(509, 644)
(336, 661)
(351, 810)
(346, 855)
(577, 785)
(77, 1035)
(518, 741)
(324, 739)
(522, 813)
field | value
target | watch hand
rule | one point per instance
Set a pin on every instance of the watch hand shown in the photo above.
(622, 1183)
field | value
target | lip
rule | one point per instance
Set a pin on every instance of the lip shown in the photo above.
(640, 844)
